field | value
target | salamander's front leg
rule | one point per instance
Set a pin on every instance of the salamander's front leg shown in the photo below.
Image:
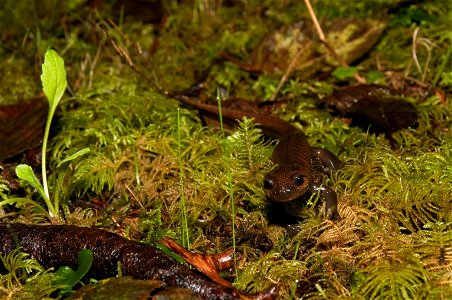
(330, 199)
(329, 161)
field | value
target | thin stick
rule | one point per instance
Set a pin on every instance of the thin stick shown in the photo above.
(323, 40)
(315, 20)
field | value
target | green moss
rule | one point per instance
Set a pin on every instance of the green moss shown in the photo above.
(25, 279)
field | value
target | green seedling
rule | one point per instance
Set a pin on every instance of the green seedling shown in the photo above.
(343, 73)
(54, 84)
(68, 277)
(373, 76)
(25, 172)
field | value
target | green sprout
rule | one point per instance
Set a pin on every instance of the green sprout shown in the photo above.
(54, 84)
(342, 73)
(67, 277)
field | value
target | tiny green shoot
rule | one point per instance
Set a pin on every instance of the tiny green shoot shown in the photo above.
(25, 172)
(220, 114)
(68, 277)
(54, 84)
(344, 72)
(373, 76)
(135, 163)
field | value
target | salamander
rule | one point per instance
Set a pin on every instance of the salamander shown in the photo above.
(293, 176)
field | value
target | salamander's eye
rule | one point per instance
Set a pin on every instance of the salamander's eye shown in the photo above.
(298, 180)
(268, 184)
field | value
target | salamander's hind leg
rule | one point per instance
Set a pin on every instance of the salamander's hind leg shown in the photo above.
(330, 199)
(328, 160)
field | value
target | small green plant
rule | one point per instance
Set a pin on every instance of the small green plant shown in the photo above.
(25, 278)
(68, 277)
(54, 84)
(343, 73)
(18, 266)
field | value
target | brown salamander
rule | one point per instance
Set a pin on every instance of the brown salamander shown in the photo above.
(292, 178)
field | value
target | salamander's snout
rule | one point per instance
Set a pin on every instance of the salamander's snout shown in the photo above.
(286, 183)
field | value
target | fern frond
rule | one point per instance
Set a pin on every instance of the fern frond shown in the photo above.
(269, 269)
(95, 173)
(38, 286)
(392, 280)
(3, 188)
(399, 185)
(353, 214)
(80, 217)
(247, 146)
(381, 241)
(434, 245)
(340, 234)
(15, 263)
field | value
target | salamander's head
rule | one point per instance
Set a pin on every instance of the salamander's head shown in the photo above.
(287, 183)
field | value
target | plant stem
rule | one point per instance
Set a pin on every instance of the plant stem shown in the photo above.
(43, 156)
(185, 236)
(220, 114)
(229, 177)
(52, 211)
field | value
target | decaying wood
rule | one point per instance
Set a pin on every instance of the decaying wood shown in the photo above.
(58, 245)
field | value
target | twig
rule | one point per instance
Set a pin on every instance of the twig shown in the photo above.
(323, 40)
(315, 20)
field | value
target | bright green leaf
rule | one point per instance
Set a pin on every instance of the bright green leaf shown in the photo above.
(344, 72)
(53, 84)
(25, 172)
(374, 75)
(53, 79)
(68, 277)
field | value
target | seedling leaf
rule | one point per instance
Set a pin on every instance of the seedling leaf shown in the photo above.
(344, 72)
(53, 84)
(68, 277)
(372, 76)
(53, 79)
(25, 172)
